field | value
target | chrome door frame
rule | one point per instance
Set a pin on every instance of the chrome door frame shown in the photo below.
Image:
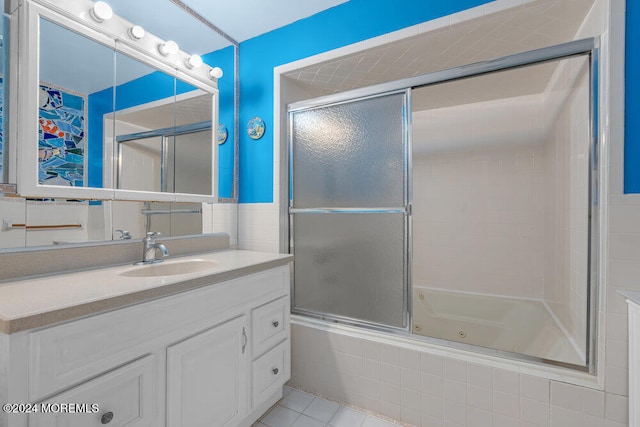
(589, 47)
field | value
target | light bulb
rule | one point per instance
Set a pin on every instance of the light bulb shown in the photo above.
(194, 61)
(215, 73)
(136, 32)
(101, 11)
(168, 48)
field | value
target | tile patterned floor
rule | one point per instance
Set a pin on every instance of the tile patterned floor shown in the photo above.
(300, 409)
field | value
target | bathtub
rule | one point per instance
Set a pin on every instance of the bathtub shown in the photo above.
(510, 324)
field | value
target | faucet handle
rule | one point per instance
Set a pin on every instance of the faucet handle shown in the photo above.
(153, 234)
(124, 234)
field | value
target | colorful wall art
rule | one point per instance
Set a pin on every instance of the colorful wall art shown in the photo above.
(61, 137)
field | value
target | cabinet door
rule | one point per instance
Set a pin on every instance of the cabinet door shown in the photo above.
(207, 383)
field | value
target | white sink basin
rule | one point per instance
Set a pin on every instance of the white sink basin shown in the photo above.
(170, 268)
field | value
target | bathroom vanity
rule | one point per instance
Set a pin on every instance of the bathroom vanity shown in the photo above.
(633, 300)
(197, 340)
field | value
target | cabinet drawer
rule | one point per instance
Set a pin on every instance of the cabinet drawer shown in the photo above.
(124, 397)
(270, 372)
(269, 325)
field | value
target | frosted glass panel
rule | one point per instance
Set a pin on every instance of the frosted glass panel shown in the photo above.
(350, 155)
(351, 265)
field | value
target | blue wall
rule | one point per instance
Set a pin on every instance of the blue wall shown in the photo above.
(632, 100)
(342, 25)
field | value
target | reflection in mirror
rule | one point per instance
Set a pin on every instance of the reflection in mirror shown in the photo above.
(75, 92)
(144, 103)
(193, 145)
(170, 219)
(13, 227)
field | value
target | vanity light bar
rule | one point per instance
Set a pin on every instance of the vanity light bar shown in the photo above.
(99, 15)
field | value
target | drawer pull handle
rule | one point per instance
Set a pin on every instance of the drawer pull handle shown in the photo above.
(106, 418)
(275, 371)
(276, 323)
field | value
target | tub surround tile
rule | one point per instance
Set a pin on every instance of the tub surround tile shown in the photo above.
(455, 391)
(479, 417)
(478, 397)
(432, 364)
(506, 381)
(455, 412)
(410, 379)
(410, 359)
(562, 417)
(410, 416)
(455, 369)
(593, 403)
(433, 405)
(566, 396)
(503, 421)
(535, 388)
(534, 412)
(479, 375)
(617, 408)
(506, 404)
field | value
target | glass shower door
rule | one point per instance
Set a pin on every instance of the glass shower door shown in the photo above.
(349, 210)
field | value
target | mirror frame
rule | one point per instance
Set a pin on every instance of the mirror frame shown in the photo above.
(74, 15)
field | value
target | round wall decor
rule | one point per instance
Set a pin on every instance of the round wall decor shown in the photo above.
(255, 128)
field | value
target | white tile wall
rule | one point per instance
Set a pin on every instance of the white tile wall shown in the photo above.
(224, 218)
(478, 220)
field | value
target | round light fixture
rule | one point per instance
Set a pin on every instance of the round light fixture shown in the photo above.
(168, 48)
(136, 32)
(101, 11)
(194, 61)
(215, 73)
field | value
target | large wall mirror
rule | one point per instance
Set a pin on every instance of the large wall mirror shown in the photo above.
(118, 127)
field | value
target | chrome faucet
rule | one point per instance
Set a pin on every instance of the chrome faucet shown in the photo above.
(151, 246)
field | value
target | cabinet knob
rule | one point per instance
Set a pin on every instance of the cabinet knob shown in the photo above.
(275, 323)
(275, 371)
(106, 418)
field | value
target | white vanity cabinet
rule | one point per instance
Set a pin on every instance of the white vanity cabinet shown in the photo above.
(214, 356)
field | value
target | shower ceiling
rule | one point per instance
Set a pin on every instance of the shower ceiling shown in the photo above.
(534, 25)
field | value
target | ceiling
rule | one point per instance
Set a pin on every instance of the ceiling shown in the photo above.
(240, 19)
(534, 25)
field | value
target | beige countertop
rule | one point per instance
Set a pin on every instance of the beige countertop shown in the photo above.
(40, 301)
(633, 296)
